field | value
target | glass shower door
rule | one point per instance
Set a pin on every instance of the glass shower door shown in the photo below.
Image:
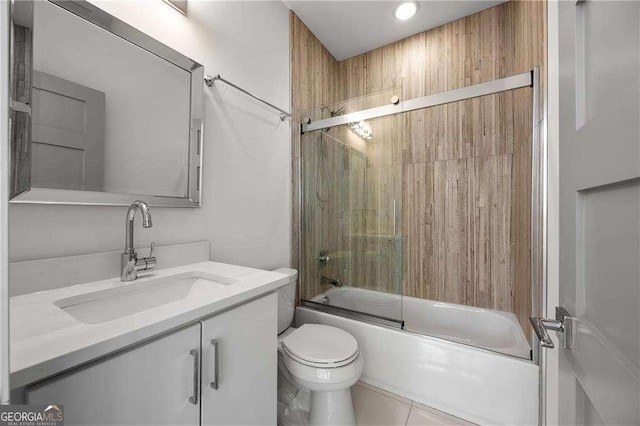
(432, 228)
(351, 202)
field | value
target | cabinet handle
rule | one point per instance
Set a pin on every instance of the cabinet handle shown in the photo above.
(196, 377)
(216, 363)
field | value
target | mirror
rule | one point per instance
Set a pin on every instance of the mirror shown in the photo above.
(101, 113)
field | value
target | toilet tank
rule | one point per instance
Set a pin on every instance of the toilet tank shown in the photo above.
(286, 299)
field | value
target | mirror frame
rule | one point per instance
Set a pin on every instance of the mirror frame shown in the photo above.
(20, 109)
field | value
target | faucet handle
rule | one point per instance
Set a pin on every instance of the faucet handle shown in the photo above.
(147, 263)
(151, 260)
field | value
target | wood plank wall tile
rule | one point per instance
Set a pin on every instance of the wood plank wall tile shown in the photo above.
(465, 174)
(315, 81)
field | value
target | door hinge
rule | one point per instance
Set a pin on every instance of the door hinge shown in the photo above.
(563, 324)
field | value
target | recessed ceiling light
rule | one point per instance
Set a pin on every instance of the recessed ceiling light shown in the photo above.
(405, 10)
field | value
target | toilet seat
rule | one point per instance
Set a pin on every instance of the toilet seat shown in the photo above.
(321, 346)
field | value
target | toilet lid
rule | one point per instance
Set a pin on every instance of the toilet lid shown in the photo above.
(321, 345)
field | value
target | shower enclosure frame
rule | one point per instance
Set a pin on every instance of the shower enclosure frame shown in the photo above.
(538, 166)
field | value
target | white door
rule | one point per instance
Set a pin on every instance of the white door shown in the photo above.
(67, 148)
(152, 384)
(239, 365)
(599, 104)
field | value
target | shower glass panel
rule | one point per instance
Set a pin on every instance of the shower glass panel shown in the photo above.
(424, 218)
(467, 211)
(352, 213)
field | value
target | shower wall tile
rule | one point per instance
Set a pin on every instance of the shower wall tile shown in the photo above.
(472, 128)
(466, 166)
(460, 173)
(459, 231)
(316, 80)
(521, 211)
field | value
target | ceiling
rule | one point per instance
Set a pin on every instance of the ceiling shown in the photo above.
(349, 28)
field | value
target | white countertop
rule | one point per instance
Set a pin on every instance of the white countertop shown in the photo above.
(46, 340)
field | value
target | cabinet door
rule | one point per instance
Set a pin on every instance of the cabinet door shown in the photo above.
(148, 385)
(239, 368)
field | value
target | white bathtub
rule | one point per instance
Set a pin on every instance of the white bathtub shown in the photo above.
(484, 328)
(475, 384)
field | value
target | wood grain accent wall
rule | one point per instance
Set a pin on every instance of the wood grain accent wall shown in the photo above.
(315, 82)
(466, 166)
(466, 199)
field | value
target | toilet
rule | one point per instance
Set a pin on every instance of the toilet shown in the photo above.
(321, 359)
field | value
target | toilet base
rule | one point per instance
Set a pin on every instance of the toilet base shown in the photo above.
(332, 408)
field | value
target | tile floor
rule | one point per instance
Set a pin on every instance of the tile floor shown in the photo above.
(374, 406)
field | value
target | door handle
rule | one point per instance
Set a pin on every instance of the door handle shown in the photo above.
(195, 397)
(216, 363)
(563, 323)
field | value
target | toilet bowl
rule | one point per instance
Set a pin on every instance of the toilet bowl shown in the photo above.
(326, 361)
(323, 360)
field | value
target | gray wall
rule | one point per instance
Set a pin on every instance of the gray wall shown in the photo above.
(246, 178)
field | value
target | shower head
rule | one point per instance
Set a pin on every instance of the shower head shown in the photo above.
(337, 112)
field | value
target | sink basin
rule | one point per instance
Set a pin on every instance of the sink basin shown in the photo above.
(128, 299)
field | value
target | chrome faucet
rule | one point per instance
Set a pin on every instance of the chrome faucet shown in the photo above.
(129, 262)
(326, 280)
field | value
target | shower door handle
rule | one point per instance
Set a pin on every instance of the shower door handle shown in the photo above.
(562, 324)
(395, 219)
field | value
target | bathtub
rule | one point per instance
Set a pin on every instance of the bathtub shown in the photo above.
(475, 384)
(484, 328)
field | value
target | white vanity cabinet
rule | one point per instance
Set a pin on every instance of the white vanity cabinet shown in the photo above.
(149, 384)
(239, 365)
(168, 380)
